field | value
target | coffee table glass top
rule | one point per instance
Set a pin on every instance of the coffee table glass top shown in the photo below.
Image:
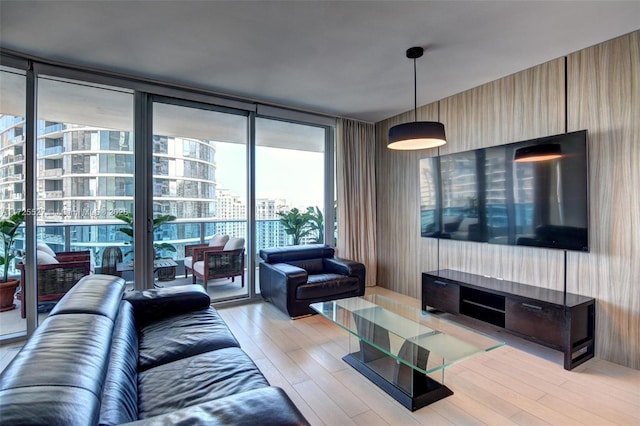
(408, 334)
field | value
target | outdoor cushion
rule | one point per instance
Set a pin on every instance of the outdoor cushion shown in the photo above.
(45, 248)
(44, 258)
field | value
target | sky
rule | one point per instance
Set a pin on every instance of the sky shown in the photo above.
(297, 176)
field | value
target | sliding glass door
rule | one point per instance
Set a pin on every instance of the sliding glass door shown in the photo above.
(200, 192)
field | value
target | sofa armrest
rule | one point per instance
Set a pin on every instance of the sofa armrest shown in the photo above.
(265, 406)
(157, 303)
(292, 275)
(343, 266)
(347, 267)
(279, 281)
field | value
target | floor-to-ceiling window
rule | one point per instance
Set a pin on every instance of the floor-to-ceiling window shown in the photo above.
(290, 183)
(200, 178)
(84, 180)
(12, 147)
(219, 165)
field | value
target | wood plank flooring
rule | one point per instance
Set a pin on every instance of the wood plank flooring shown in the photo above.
(502, 387)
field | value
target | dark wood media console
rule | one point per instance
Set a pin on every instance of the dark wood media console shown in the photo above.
(537, 314)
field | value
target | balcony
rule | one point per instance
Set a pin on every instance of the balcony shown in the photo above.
(52, 194)
(51, 173)
(54, 150)
(96, 235)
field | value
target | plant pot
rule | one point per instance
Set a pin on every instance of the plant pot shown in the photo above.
(7, 292)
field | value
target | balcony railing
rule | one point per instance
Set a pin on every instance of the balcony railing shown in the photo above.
(96, 235)
(51, 172)
(54, 150)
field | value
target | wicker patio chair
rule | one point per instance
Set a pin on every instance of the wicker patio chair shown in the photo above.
(55, 279)
(194, 252)
(220, 264)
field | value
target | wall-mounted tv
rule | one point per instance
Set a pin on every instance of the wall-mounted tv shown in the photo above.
(530, 193)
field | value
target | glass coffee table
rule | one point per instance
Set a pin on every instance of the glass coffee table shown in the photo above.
(397, 347)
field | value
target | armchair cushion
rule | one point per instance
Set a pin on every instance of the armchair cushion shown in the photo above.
(326, 285)
(45, 248)
(44, 258)
(234, 244)
(218, 240)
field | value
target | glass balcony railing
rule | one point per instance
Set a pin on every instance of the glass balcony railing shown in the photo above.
(97, 235)
(54, 150)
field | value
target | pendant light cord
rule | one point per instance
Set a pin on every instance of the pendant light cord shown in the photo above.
(415, 92)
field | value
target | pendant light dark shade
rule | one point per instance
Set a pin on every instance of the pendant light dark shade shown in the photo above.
(418, 134)
(542, 152)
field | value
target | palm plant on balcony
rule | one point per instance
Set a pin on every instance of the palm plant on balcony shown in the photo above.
(296, 224)
(8, 230)
(316, 222)
(161, 248)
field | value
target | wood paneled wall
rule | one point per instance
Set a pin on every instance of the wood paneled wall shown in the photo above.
(604, 93)
(603, 97)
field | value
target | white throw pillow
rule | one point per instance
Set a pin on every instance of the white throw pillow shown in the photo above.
(44, 258)
(45, 248)
(234, 244)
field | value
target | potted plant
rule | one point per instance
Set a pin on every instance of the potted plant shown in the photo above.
(161, 248)
(296, 224)
(8, 230)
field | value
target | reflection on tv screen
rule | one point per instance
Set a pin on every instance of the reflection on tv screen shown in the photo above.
(531, 193)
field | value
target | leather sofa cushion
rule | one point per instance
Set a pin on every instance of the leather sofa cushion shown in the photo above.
(292, 253)
(195, 380)
(93, 294)
(324, 285)
(182, 336)
(40, 405)
(120, 397)
(265, 407)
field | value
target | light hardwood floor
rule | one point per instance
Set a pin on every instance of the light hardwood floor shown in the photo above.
(502, 387)
(505, 386)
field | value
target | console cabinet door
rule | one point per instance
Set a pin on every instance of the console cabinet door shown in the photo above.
(542, 322)
(440, 294)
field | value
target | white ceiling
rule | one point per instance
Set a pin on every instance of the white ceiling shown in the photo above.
(344, 58)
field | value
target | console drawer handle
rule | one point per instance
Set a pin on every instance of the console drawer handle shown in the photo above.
(534, 307)
(440, 283)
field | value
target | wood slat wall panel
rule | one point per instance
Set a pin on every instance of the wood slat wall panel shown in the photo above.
(604, 93)
(603, 96)
(398, 198)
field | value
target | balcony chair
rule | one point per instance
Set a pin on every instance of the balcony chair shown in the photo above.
(227, 263)
(57, 273)
(196, 251)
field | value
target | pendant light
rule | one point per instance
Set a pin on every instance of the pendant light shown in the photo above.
(418, 134)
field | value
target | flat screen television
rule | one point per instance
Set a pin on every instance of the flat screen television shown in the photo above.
(530, 193)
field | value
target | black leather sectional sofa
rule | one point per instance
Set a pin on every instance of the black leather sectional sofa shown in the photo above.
(161, 356)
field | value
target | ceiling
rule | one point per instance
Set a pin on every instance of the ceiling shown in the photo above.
(343, 58)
